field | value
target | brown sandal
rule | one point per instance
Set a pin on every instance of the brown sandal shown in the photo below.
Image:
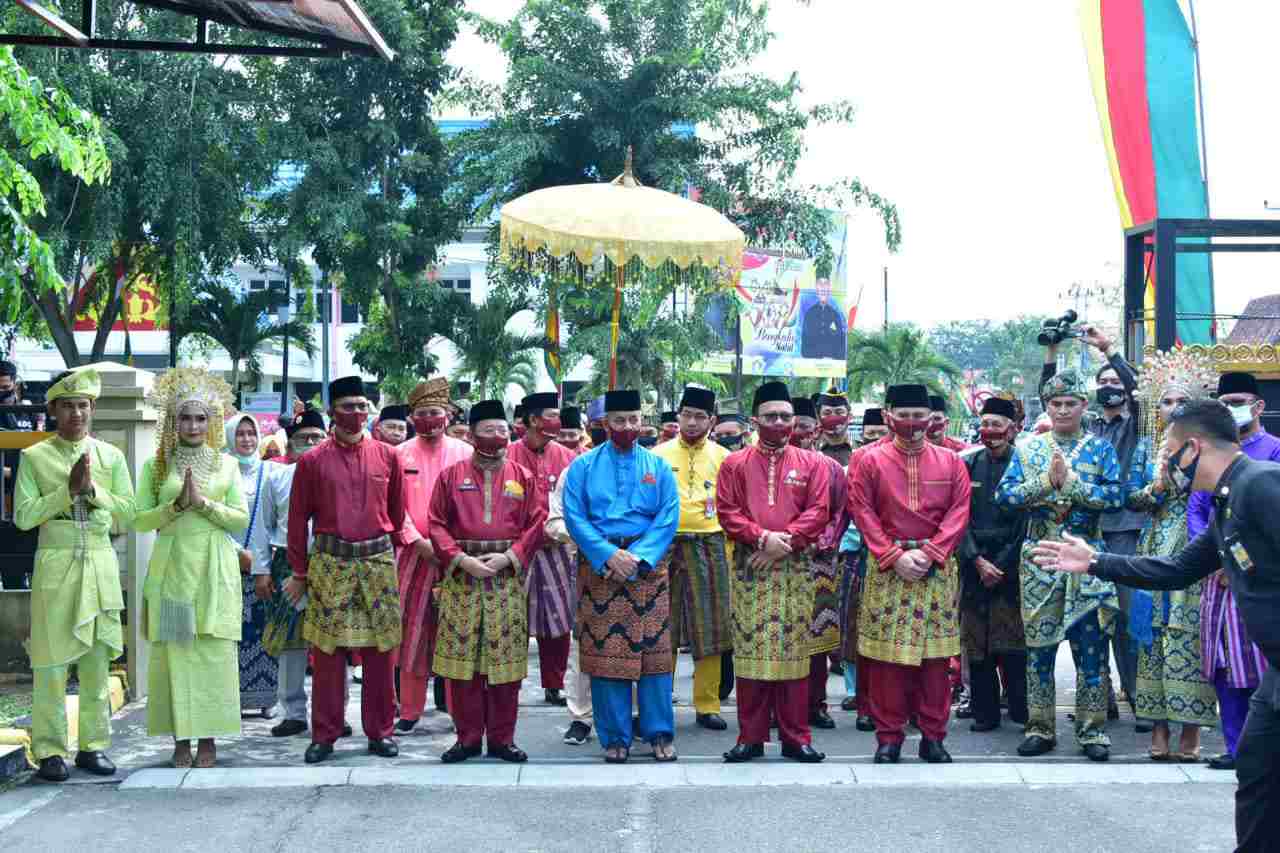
(206, 758)
(182, 761)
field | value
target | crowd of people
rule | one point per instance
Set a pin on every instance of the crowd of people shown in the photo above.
(433, 543)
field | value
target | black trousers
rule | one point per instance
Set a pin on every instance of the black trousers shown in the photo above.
(1124, 542)
(1258, 770)
(984, 687)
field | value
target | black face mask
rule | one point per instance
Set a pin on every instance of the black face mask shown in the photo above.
(1109, 397)
(647, 440)
(599, 437)
(1183, 477)
(729, 442)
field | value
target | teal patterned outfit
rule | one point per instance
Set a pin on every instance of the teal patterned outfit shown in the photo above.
(1057, 606)
(1171, 683)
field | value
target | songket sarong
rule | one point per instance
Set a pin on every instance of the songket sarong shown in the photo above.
(625, 628)
(282, 629)
(259, 672)
(553, 591)
(1171, 682)
(419, 582)
(824, 632)
(193, 689)
(991, 627)
(353, 601)
(772, 614)
(905, 622)
(850, 586)
(484, 628)
(699, 569)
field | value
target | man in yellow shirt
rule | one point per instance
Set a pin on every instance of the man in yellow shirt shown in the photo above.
(698, 562)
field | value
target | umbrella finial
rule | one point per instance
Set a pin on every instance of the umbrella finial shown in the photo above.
(627, 178)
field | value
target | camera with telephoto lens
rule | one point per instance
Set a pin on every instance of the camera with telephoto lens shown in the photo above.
(1056, 331)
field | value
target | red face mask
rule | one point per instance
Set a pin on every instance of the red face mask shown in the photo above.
(624, 439)
(670, 431)
(775, 435)
(834, 423)
(802, 438)
(521, 430)
(352, 423)
(908, 429)
(990, 436)
(429, 425)
(491, 445)
(550, 428)
(936, 428)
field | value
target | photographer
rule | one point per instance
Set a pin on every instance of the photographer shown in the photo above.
(1119, 424)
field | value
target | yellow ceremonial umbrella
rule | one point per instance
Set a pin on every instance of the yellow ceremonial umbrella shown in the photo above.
(612, 232)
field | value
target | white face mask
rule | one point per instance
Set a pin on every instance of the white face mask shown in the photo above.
(1243, 415)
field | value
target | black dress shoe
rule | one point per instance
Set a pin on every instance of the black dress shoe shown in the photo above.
(933, 752)
(849, 703)
(509, 752)
(346, 730)
(865, 724)
(53, 769)
(317, 752)
(1096, 752)
(888, 753)
(385, 747)
(1036, 745)
(459, 752)
(1113, 713)
(1226, 761)
(837, 669)
(269, 713)
(744, 752)
(404, 726)
(288, 728)
(822, 720)
(1143, 727)
(96, 763)
(804, 753)
(989, 726)
(555, 697)
(715, 722)
(963, 712)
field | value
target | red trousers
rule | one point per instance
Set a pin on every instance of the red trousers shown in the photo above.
(553, 660)
(863, 676)
(758, 701)
(898, 691)
(817, 683)
(378, 694)
(481, 709)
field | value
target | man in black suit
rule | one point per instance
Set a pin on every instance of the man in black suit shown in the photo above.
(1204, 455)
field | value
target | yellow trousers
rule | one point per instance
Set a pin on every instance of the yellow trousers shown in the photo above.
(49, 705)
(706, 684)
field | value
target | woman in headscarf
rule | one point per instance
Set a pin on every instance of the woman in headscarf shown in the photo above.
(189, 493)
(259, 671)
(1171, 686)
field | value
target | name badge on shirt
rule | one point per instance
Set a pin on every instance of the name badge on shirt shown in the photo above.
(1240, 555)
(975, 484)
(512, 489)
(649, 480)
(793, 478)
(468, 485)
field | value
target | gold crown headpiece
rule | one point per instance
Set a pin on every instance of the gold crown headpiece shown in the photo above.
(1178, 371)
(180, 386)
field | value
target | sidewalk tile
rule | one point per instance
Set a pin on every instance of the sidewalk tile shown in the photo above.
(1205, 774)
(155, 777)
(602, 775)
(768, 773)
(470, 774)
(917, 773)
(266, 777)
(1043, 773)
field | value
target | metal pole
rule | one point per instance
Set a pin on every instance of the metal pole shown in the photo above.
(326, 308)
(285, 401)
(737, 361)
(886, 300)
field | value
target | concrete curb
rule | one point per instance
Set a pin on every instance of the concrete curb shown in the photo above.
(761, 773)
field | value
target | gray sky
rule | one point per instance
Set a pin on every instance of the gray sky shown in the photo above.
(977, 120)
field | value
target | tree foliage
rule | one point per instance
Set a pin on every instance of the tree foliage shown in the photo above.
(1006, 353)
(39, 124)
(901, 355)
(371, 197)
(191, 144)
(491, 353)
(241, 324)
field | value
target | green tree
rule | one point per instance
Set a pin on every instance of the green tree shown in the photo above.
(901, 355)
(968, 344)
(588, 78)
(40, 124)
(491, 354)
(191, 144)
(371, 197)
(241, 324)
(1018, 357)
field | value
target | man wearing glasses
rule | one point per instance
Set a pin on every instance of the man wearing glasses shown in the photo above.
(774, 501)
(350, 491)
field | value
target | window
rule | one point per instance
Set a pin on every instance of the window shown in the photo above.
(462, 285)
(257, 284)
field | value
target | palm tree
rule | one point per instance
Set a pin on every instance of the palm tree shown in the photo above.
(492, 356)
(900, 355)
(241, 323)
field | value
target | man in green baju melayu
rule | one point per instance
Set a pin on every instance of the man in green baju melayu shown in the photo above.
(72, 486)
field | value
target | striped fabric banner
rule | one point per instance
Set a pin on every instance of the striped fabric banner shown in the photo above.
(1142, 68)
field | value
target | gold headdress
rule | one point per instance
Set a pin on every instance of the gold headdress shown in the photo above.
(1178, 371)
(178, 388)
